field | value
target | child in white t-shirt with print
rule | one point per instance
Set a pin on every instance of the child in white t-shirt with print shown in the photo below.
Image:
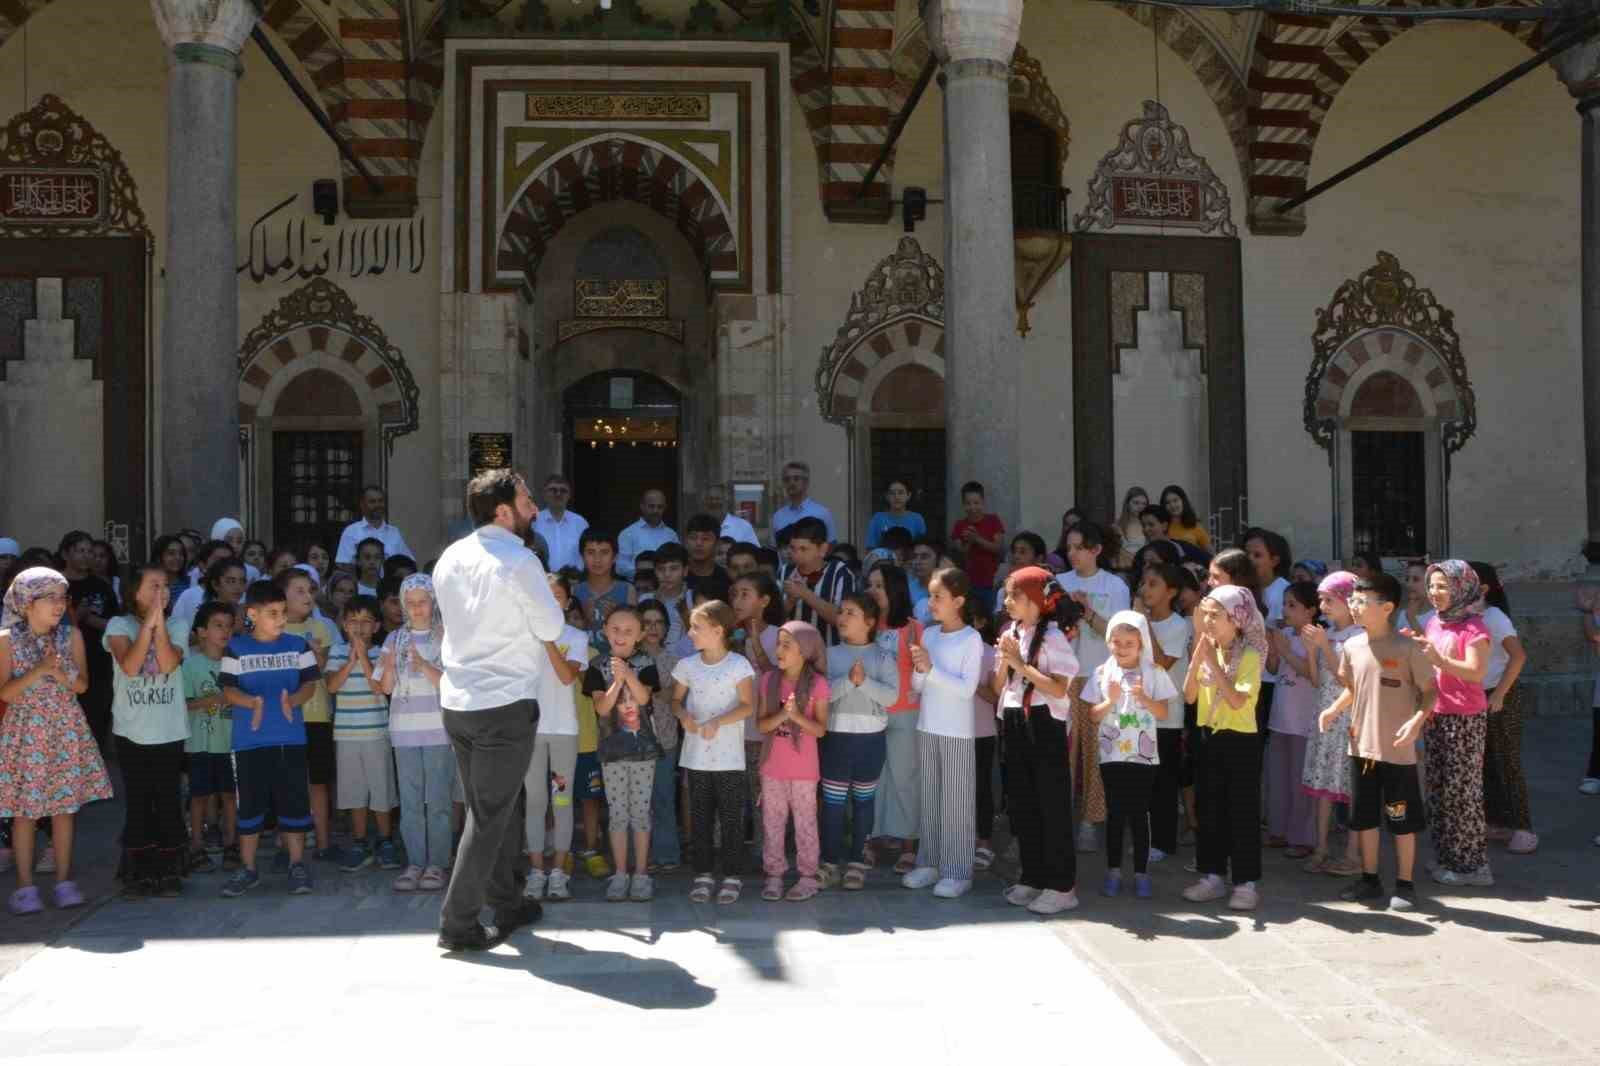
(1127, 695)
(713, 692)
(1100, 594)
(553, 770)
(1172, 635)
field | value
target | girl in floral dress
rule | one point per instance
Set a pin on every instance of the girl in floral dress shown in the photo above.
(1327, 769)
(50, 765)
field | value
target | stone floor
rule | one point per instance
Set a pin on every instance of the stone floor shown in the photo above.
(1504, 975)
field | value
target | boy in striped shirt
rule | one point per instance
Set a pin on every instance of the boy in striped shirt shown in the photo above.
(361, 739)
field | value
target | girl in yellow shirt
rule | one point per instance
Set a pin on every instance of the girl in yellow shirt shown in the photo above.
(1183, 523)
(1224, 679)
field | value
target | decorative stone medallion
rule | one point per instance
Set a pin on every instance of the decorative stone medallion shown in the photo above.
(59, 177)
(1153, 178)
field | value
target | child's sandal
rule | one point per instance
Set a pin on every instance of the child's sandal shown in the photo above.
(855, 876)
(869, 856)
(1314, 864)
(701, 892)
(803, 889)
(906, 863)
(729, 893)
(772, 891)
(983, 859)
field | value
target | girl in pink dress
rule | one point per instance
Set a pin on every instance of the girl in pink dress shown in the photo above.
(50, 765)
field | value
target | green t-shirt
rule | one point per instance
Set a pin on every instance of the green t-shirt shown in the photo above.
(210, 732)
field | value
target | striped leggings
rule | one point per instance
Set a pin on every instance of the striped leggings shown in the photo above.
(851, 765)
(949, 776)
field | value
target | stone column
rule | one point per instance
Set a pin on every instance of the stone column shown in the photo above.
(200, 324)
(974, 41)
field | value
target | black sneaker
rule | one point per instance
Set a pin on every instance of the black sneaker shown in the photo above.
(1404, 898)
(526, 912)
(479, 938)
(1362, 891)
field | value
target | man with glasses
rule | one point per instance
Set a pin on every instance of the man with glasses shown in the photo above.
(796, 488)
(560, 527)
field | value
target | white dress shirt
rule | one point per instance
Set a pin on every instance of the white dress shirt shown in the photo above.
(809, 508)
(497, 611)
(640, 537)
(741, 531)
(360, 530)
(561, 537)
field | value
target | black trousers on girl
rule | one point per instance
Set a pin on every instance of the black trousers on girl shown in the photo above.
(1164, 796)
(1129, 787)
(1230, 813)
(150, 781)
(716, 797)
(1039, 798)
(984, 748)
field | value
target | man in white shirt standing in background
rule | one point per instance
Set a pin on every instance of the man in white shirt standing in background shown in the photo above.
(498, 616)
(374, 524)
(645, 535)
(560, 527)
(714, 502)
(797, 490)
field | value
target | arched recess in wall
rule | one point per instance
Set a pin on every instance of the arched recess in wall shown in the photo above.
(882, 379)
(323, 396)
(1388, 396)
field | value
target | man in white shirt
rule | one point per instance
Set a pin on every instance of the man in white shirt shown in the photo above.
(645, 535)
(374, 505)
(796, 488)
(714, 502)
(498, 616)
(560, 527)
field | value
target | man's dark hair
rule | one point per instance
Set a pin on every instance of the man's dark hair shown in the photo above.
(703, 523)
(808, 528)
(260, 593)
(487, 491)
(1383, 587)
(672, 552)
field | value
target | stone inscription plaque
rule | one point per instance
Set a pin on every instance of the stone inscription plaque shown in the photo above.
(51, 196)
(487, 451)
(673, 107)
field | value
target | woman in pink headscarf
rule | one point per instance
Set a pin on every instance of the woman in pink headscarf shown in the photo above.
(1224, 680)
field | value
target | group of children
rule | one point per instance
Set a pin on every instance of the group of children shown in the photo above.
(730, 698)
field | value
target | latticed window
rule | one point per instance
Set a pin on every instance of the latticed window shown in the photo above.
(317, 481)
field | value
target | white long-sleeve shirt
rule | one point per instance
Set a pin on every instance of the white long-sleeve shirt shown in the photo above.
(637, 538)
(498, 612)
(360, 530)
(948, 686)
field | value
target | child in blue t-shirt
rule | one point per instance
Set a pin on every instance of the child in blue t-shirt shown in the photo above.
(266, 677)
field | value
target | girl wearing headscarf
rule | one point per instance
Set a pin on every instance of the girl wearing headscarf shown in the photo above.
(231, 533)
(1126, 695)
(1326, 776)
(50, 765)
(409, 674)
(1034, 668)
(1224, 681)
(1456, 642)
(793, 715)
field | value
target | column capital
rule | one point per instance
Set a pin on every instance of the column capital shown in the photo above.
(985, 31)
(211, 24)
(1579, 66)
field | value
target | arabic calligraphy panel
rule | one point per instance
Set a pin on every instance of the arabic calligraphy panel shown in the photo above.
(671, 107)
(636, 298)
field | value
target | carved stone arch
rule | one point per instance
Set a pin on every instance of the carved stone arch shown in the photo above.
(613, 167)
(1387, 343)
(56, 141)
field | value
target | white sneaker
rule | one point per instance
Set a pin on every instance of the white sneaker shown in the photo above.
(47, 860)
(534, 889)
(1052, 902)
(1479, 878)
(617, 888)
(1244, 898)
(1086, 838)
(921, 877)
(1206, 889)
(556, 885)
(642, 889)
(1157, 855)
(1021, 895)
(1590, 786)
(952, 887)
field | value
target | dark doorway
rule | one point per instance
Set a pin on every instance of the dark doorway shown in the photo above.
(916, 457)
(1389, 492)
(104, 293)
(622, 431)
(1095, 257)
(316, 478)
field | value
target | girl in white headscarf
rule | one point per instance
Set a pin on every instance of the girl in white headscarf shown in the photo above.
(1127, 694)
